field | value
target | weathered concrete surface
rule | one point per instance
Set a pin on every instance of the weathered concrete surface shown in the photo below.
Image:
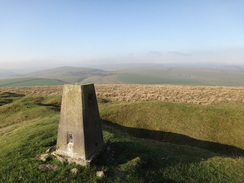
(79, 132)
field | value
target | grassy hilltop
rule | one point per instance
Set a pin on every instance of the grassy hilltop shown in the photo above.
(151, 141)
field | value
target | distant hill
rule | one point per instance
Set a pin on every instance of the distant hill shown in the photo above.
(29, 81)
(142, 74)
(6, 73)
(233, 68)
(175, 75)
(69, 74)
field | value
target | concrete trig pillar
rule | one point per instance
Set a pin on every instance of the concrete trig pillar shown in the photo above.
(79, 133)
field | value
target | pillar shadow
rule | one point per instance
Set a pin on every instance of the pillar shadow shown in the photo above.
(175, 138)
(151, 161)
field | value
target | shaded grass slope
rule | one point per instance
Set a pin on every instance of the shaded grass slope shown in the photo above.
(28, 126)
(179, 122)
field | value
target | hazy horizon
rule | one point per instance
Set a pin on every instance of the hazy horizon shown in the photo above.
(44, 34)
(123, 66)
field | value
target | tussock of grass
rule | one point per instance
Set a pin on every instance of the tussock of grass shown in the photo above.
(35, 121)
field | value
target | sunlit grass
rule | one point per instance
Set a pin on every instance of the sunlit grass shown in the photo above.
(215, 123)
(28, 126)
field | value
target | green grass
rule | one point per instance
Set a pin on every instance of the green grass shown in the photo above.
(28, 126)
(222, 124)
(29, 82)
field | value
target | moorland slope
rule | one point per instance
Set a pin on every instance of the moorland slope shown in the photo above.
(151, 141)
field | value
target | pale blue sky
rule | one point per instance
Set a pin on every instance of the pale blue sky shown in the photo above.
(52, 33)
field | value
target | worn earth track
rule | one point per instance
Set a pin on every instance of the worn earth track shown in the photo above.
(133, 92)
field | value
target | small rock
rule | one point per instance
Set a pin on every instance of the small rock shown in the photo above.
(100, 174)
(62, 160)
(50, 149)
(48, 167)
(74, 171)
(42, 157)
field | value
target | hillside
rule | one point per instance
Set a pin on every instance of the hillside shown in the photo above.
(183, 76)
(69, 74)
(29, 81)
(6, 73)
(171, 75)
(174, 75)
(151, 141)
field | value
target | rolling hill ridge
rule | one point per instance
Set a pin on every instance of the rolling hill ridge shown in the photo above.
(172, 75)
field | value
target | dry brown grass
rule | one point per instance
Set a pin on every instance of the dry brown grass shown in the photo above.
(133, 92)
